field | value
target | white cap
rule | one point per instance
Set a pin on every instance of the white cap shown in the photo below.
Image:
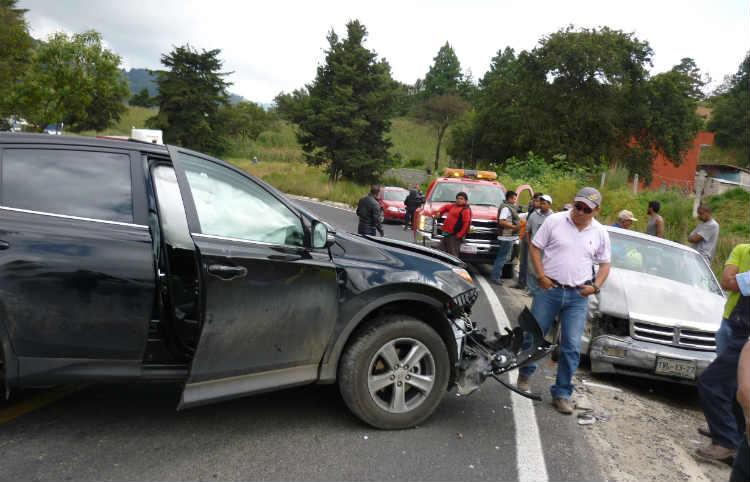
(546, 197)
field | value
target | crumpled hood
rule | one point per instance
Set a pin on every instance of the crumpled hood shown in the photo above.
(644, 297)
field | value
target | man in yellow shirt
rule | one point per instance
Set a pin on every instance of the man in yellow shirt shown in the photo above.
(717, 385)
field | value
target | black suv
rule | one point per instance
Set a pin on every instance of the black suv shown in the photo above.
(123, 261)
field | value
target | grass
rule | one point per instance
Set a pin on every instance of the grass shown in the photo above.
(416, 143)
(132, 117)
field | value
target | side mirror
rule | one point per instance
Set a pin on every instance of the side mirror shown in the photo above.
(322, 236)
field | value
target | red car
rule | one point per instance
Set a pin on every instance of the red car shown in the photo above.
(391, 199)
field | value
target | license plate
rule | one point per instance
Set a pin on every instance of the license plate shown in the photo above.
(675, 368)
(468, 249)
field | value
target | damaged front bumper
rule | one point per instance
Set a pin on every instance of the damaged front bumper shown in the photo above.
(627, 356)
(482, 357)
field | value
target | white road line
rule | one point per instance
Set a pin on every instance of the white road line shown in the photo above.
(529, 453)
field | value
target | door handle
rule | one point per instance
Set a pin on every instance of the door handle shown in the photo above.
(284, 257)
(4, 245)
(223, 271)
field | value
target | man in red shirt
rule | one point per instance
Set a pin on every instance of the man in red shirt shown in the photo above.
(456, 225)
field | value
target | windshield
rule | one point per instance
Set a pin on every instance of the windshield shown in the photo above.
(395, 194)
(635, 254)
(479, 194)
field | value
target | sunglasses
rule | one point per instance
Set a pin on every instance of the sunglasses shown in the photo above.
(583, 207)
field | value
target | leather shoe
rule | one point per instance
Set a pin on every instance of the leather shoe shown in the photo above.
(563, 406)
(715, 453)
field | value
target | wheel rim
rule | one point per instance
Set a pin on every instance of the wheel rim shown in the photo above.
(401, 375)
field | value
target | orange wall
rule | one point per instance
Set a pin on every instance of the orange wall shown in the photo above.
(667, 174)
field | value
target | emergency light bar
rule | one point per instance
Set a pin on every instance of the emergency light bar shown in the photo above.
(489, 175)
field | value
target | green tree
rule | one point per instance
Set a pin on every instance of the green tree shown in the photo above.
(444, 76)
(15, 54)
(440, 112)
(586, 95)
(244, 120)
(74, 80)
(191, 93)
(344, 121)
(292, 107)
(731, 115)
(143, 99)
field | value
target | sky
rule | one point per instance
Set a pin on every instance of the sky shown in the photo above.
(276, 45)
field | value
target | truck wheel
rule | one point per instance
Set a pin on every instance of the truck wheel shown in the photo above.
(395, 373)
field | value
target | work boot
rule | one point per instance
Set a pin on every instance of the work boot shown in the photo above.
(715, 453)
(563, 406)
(524, 383)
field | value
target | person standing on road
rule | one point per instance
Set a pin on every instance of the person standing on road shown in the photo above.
(573, 243)
(625, 220)
(706, 234)
(412, 202)
(508, 225)
(741, 467)
(655, 226)
(717, 385)
(369, 213)
(456, 224)
(523, 245)
(533, 223)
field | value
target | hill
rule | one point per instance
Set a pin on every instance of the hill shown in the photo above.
(140, 79)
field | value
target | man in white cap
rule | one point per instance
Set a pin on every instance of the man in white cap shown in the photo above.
(533, 223)
(625, 220)
(573, 242)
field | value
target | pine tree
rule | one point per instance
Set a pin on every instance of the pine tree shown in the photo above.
(15, 54)
(191, 92)
(344, 119)
(444, 76)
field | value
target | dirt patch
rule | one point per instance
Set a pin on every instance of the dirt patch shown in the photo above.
(646, 431)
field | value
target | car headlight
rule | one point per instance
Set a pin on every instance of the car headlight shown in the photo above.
(392, 209)
(425, 223)
(463, 274)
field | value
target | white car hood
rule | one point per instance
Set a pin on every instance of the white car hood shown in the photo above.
(644, 297)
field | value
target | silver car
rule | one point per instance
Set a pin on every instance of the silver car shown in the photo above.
(657, 314)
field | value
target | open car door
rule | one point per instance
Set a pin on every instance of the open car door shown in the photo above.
(269, 301)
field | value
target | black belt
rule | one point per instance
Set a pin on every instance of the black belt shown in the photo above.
(557, 284)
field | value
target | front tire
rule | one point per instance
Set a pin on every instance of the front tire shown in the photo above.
(395, 373)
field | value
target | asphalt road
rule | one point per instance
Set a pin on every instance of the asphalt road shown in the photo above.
(133, 432)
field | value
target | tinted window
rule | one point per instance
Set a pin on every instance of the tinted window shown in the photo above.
(230, 205)
(75, 183)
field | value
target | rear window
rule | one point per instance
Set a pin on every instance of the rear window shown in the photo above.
(85, 184)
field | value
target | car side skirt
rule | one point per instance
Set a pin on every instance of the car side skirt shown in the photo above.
(211, 391)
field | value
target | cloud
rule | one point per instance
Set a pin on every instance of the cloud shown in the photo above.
(275, 46)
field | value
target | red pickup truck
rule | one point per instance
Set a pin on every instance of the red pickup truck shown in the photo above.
(486, 195)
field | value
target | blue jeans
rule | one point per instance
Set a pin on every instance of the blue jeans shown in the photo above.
(532, 283)
(717, 387)
(723, 335)
(741, 467)
(523, 262)
(503, 253)
(571, 308)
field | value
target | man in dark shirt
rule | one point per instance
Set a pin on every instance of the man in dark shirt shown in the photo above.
(369, 213)
(412, 202)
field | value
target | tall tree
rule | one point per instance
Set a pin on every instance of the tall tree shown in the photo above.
(344, 121)
(444, 76)
(191, 92)
(74, 80)
(440, 112)
(731, 115)
(15, 54)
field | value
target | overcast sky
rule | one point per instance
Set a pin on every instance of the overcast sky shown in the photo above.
(275, 45)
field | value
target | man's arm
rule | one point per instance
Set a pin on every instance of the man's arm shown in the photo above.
(536, 260)
(695, 236)
(728, 278)
(503, 221)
